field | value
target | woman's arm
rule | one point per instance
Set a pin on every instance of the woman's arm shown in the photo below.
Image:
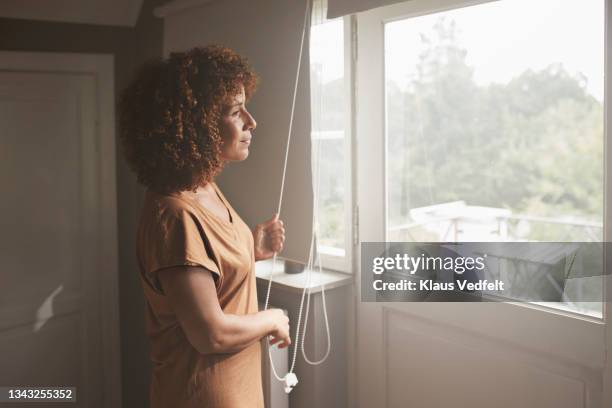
(193, 297)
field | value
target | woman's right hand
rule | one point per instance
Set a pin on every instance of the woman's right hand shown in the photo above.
(280, 331)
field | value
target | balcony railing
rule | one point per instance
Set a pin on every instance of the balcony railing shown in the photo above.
(509, 228)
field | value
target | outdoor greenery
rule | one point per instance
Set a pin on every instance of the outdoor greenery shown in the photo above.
(533, 145)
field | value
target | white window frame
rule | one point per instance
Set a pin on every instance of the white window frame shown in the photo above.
(374, 208)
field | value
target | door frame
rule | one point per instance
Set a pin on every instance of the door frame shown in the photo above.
(101, 68)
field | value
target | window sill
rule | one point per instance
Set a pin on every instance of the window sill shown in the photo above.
(297, 282)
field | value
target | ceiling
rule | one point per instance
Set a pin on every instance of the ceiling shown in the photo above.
(100, 12)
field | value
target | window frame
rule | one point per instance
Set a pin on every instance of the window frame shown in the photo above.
(374, 217)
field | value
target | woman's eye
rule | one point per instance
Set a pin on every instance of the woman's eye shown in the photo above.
(235, 113)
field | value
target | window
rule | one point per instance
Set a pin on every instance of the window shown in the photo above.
(495, 133)
(493, 123)
(330, 135)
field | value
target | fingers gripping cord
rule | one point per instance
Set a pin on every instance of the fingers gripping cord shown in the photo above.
(290, 379)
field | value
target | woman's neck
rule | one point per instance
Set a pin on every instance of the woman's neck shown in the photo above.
(206, 190)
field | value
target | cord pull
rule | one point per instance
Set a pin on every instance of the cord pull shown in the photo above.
(290, 382)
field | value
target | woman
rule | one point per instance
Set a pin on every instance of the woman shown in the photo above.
(182, 119)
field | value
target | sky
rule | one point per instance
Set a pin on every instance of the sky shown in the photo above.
(503, 38)
(507, 37)
(326, 49)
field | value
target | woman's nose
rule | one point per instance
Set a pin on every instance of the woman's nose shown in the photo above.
(250, 123)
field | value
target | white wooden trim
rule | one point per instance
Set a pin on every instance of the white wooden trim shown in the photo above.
(370, 195)
(349, 115)
(102, 68)
(350, 30)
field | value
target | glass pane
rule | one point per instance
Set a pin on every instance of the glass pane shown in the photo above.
(328, 122)
(495, 124)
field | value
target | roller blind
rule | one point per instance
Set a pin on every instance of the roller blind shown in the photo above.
(337, 8)
(268, 33)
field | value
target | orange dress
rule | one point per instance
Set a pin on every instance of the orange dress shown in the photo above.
(176, 230)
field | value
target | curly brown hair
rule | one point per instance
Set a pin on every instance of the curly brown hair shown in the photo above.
(170, 113)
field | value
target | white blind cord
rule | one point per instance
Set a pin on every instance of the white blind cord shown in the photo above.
(315, 229)
(282, 189)
(290, 379)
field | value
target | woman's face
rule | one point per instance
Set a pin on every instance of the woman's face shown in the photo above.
(236, 126)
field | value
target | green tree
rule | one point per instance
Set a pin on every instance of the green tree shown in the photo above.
(534, 145)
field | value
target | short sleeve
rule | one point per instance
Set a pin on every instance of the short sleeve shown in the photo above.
(176, 238)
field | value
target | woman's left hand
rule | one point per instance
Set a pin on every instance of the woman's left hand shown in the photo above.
(269, 238)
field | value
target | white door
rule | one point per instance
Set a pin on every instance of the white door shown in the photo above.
(58, 310)
(433, 355)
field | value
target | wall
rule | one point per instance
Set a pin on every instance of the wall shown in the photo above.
(130, 47)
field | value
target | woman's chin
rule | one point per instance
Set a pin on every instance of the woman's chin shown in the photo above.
(243, 153)
(240, 156)
(236, 155)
